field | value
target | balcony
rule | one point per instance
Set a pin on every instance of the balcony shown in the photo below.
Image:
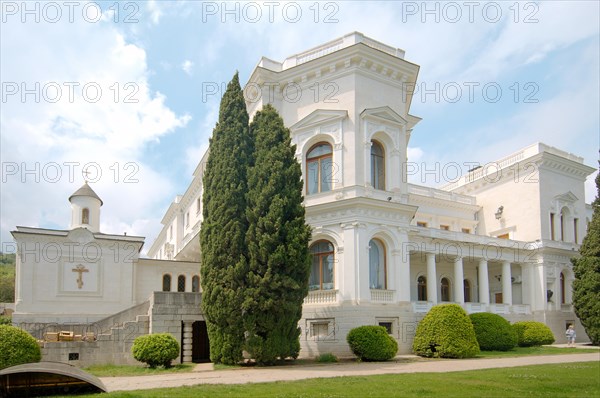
(321, 297)
(382, 296)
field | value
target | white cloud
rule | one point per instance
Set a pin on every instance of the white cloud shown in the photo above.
(187, 66)
(155, 11)
(108, 128)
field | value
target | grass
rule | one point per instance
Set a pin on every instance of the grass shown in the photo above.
(135, 370)
(141, 370)
(529, 351)
(562, 380)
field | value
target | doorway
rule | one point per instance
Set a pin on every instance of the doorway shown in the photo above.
(200, 344)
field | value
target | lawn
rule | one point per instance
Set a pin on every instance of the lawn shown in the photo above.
(143, 370)
(135, 370)
(563, 380)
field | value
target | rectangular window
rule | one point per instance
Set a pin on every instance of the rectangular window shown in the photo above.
(198, 205)
(552, 226)
(575, 237)
(320, 329)
(187, 219)
(562, 227)
(445, 227)
(466, 231)
(421, 224)
(170, 232)
(387, 326)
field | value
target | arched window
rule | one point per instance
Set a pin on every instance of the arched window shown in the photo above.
(467, 287)
(422, 288)
(562, 288)
(445, 289)
(377, 268)
(166, 283)
(85, 216)
(181, 283)
(377, 165)
(319, 168)
(321, 273)
(195, 284)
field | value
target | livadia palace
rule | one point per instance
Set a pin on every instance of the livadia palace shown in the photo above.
(384, 251)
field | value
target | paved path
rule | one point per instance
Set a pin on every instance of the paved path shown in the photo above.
(204, 374)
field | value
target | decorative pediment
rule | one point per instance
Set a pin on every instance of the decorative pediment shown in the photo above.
(319, 117)
(568, 197)
(384, 114)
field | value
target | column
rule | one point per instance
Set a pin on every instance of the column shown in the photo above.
(484, 284)
(186, 344)
(459, 286)
(402, 264)
(431, 279)
(506, 283)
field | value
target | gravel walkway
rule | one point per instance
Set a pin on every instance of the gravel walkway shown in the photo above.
(204, 374)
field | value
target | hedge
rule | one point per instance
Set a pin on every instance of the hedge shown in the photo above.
(17, 347)
(372, 343)
(530, 333)
(493, 332)
(446, 332)
(155, 349)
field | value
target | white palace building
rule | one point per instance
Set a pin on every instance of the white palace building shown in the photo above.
(384, 251)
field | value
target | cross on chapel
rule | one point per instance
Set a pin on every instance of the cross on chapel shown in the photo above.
(80, 269)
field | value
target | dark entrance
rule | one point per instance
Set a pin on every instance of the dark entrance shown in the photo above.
(200, 346)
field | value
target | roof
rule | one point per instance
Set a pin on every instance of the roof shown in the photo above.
(86, 190)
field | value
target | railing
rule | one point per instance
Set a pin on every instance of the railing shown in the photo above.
(472, 308)
(319, 52)
(521, 309)
(382, 296)
(422, 306)
(321, 297)
(566, 307)
(500, 308)
(439, 194)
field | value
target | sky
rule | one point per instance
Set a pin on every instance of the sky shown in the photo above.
(126, 90)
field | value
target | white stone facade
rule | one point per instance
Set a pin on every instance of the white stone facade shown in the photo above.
(483, 241)
(499, 239)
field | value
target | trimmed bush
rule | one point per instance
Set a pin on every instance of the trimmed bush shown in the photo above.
(155, 349)
(372, 343)
(17, 347)
(530, 333)
(446, 332)
(493, 332)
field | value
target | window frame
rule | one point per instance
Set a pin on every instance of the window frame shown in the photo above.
(421, 288)
(380, 185)
(321, 256)
(319, 160)
(382, 256)
(445, 288)
(179, 284)
(164, 279)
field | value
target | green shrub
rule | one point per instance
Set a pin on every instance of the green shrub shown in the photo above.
(530, 333)
(17, 347)
(372, 343)
(5, 320)
(327, 358)
(493, 332)
(446, 332)
(155, 349)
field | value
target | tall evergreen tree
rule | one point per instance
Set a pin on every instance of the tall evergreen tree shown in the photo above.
(224, 227)
(277, 238)
(586, 286)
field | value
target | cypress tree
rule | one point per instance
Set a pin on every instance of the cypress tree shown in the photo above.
(224, 227)
(586, 286)
(277, 238)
